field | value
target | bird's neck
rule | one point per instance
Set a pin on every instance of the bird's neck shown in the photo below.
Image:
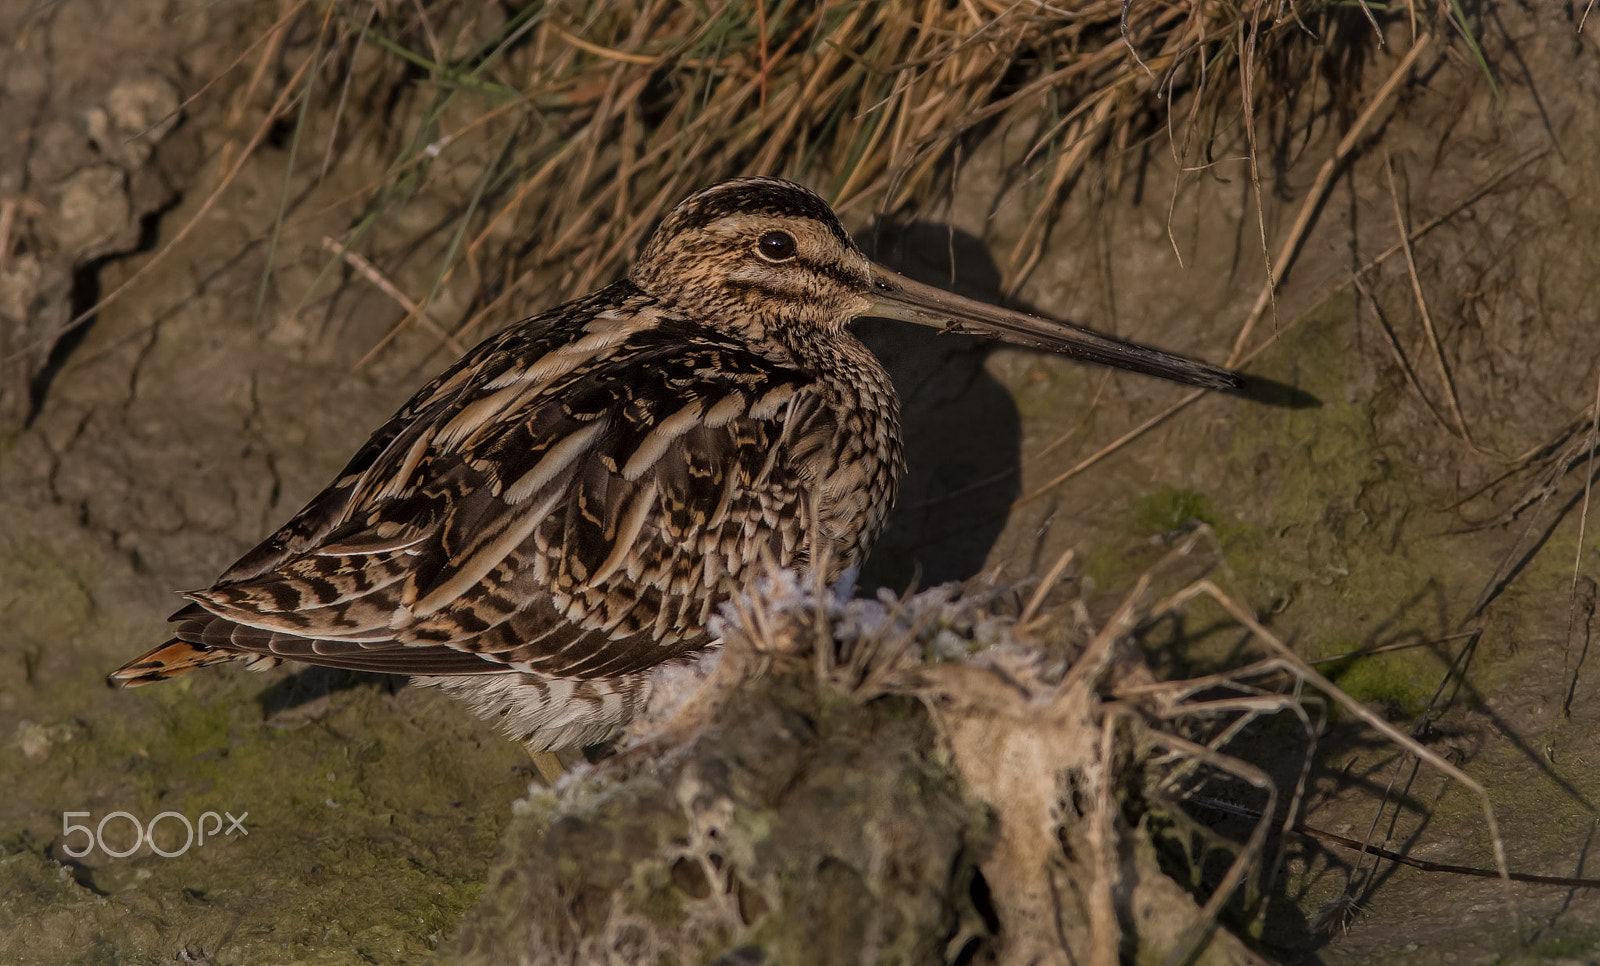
(832, 356)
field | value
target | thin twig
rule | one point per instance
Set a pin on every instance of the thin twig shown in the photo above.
(1247, 95)
(1376, 30)
(1422, 307)
(344, 92)
(1577, 560)
(1195, 935)
(8, 212)
(1115, 444)
(1396, 646)
(1424, 865)
(1105, 934)
(627, 58)
(1319, 189)
(434, 46)
(1127, 41)
(1393, 342)
(1045, 586)
(1272, 340)
(1400, 762)
(377, 278)
(272, 32)
(1373, 720)
(269, 56)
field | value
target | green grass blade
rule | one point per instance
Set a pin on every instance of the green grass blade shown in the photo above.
(288, 184)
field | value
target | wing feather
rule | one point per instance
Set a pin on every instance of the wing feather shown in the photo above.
(575, 497)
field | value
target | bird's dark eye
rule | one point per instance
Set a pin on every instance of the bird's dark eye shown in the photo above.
(777, 246)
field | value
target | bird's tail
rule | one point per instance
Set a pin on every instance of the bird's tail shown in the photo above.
(167, 661)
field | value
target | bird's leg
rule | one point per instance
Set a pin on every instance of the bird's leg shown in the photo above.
(845, 587)
(547, 765)
(551, 765)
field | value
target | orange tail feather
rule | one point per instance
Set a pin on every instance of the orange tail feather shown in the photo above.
(167, 661)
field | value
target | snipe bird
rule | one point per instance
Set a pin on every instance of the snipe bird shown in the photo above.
(558, 514)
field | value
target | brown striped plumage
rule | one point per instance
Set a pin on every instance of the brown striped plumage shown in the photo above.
(560, 512)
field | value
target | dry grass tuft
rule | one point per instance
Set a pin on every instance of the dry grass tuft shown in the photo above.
(569, 127)
(560, 132)
(1082, 759)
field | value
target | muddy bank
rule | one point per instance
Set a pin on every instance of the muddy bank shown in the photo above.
(186, 421)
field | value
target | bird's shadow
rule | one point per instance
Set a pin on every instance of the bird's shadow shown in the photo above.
(310, 689)
(962, 431)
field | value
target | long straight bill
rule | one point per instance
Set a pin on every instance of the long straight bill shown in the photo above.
(897, 297)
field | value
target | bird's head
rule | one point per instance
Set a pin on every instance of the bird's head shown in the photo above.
(770, 258)
(757, 251)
